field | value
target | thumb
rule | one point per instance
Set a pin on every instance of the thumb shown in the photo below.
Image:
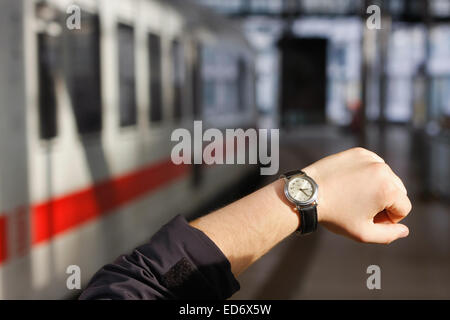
(387, 232)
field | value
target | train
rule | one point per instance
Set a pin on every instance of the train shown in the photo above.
(90, 91)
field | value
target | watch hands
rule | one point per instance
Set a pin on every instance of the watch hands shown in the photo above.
(304, 192)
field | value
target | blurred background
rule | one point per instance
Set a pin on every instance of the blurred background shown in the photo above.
(91, 90)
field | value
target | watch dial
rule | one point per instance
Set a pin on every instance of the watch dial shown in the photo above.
(300, 189)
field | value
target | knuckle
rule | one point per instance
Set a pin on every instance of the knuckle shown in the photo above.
(409, 205)
(386, 191)
(365, 153)
(391, 188)
(407, 208)
(359, 151)
(380, 167)
(380, 171)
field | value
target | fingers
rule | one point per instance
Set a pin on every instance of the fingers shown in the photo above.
(399, 206)
(395, 206)
(382, 217)
(385, 233)
(385, 227)
(392, 194)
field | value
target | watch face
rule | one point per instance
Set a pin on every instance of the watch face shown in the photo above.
(301, 189)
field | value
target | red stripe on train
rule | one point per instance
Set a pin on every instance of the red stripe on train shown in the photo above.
(65, 213)
(3, 239)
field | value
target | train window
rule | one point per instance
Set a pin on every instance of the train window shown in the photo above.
(177, 78)
(48, 53)
(83, 68)
(49, 66)
(155, 78)
(197, 84)
(127, 82)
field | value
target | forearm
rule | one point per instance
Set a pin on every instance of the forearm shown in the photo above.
(248, 228)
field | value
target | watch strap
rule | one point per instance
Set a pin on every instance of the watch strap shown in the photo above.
(308, 219)
(292, 173)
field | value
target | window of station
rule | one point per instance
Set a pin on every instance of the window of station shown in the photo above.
(83, 66)
(220, 79)
(178, 75)
(155, 78)
(209, 79)
(228, 88)
(127, 82)
(242, 84)
(439, 71)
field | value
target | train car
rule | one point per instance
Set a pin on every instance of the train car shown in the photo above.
(90, 92)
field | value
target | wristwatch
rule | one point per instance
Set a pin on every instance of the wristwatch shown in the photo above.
(302, 191)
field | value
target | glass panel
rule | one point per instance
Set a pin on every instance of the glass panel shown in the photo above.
(83, 52)
(49, 66)
(48, 53)
(127, 82)
(177, 77)
(155, 78)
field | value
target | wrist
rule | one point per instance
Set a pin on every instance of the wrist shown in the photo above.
(284, 209)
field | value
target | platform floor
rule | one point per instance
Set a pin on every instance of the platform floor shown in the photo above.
(327, 266)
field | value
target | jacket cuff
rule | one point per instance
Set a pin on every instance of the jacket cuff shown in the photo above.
(194, 268)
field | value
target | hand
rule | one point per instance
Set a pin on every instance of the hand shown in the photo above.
(360, 196)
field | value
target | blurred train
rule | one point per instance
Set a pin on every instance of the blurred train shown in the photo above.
(85, 124)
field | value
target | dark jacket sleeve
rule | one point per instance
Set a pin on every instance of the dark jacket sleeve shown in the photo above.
(179, 262)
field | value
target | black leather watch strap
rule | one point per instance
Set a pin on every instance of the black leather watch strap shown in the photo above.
(308, 219)
(292, 173)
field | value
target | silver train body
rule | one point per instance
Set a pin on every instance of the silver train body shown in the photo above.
(86, 117)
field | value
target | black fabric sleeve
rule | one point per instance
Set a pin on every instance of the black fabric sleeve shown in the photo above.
(179, 262)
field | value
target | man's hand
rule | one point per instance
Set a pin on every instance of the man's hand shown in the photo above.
(360, 196)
